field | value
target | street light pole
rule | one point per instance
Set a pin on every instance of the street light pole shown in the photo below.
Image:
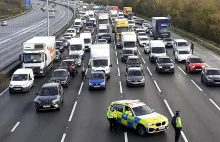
(48, 21)
(68, 10)
(74, 8)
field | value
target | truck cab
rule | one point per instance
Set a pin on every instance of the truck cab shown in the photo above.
(100, 58)
(161, 27)
(129, 41)
(157, 49)
(76, 46)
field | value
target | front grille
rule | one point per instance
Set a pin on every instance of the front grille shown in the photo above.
(17, 86)
(198, 67)
(217, 80)
(86, 46)
(101, 70)
(46, 103)
(163, 123)
(96, 84)
(166, 67)
(158, 124)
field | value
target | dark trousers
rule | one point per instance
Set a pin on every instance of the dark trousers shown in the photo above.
(113, 124)
(192, 50)
(83, 74)
(177, 134)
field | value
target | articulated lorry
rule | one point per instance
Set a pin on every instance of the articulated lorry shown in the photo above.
(100, 58)
(121, 25)
(129, 41)
(161, 27)
(39, 54)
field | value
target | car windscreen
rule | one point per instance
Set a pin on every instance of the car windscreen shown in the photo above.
(144, 39)
(135, 73)
(97, 76)
(213, 72)
(142, 34)
(158, 50)
(122, 29)
(59, 74)
(103, 21)
(196, 60)
(164, 60)
(33, 58)
(87, 40)
(106, 35)
(74, 56)
(48, 91)
(59, 43)
(75, 47)
(134, 61)
(167, 39)
(183, 52)
(183, 44)
(100, 63)
(102, 41)
(127, 51)
(142, 110)
(103, 30)
(19, 77)
(77, 23)
(129, 44)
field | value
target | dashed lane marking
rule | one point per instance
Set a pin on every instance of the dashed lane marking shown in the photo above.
(182, 70)
(16, 125)
(215, 104)
(118, 72)
(126, 136)
(4, 91)
(72, 112)
(117, 61)
(120, 87)
(116, 53)
(63, 137)
(196, 85)
(149, 71)
(143, 60)
(80, 89)
(158, 88)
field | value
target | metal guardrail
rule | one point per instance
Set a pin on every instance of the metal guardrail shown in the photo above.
(192, 37)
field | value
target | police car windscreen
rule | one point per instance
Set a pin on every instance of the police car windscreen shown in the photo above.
(100, 63)
(142, 110)
(59, 74)
(158, 50)
(19, 77)
(75, 47)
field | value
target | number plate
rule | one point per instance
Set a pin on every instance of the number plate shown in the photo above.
(217, 82)
(46, 106)
(162, 127)
(198, 69)
(96, 86)
(17, 88)
(166, 69)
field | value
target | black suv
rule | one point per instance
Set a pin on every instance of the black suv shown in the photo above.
(64, 65)
(125, 53)
(50, 96)
(164, 64)
(61, 76)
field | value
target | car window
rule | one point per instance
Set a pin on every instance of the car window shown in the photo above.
(142, 110)
(135, 73)
(119, 107)
(196, 60)
(183, 44)
(48, 91)
(164, 60)
(213, 72)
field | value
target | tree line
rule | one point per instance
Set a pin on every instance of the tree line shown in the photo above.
(201, 17)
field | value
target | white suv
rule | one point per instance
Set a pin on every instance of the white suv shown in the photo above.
(180, 44)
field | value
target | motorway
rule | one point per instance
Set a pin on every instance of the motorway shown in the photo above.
(26, 26)
(83, 115)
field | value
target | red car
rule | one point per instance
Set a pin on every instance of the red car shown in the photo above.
(194, 64)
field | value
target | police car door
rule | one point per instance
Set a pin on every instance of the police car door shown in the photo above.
(128, 119)
(119, 108)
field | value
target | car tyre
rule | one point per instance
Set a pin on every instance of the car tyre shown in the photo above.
(141, 130)
(60, 107)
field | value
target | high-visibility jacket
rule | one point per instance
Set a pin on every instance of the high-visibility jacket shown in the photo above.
(111, 114)
(178, 122)
(127, 112)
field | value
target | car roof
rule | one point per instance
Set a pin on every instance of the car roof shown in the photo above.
(193, 56)
(97, 72)
(59, 70)
(133, 57)
(180, 40)
(23, 71)
(131, 103)
(134, 68)
(50, 84)
(212, 69)
(164, 57)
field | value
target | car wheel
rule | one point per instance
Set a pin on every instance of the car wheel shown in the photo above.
(141, 130)
(60, 107)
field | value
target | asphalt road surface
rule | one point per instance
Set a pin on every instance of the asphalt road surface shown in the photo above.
(27, 26)
(83, 115)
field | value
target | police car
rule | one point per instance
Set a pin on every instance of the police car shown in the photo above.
(141, 117)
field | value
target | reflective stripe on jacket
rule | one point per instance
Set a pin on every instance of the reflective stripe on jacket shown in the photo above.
(178, 122)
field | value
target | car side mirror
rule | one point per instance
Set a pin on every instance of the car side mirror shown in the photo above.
(188, 62)
(126, 74)
(36, 94)
(110, 65)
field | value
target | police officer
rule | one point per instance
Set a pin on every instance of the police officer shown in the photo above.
(177, 125)
(192, 47)
(112, 118)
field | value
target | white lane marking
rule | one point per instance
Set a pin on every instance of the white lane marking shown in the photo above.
(63, 137)
(139, 52)
(115, 46)
(184, 137)
(117, 61)
(86, 71)
(89, 61)
(8, 49)
(171, 112)
(172, 60)
(168, 107)
(80, 89)
(182, 70)
(120, 87)
(158, 88)
(116, 53)
(72, 112)
(149, 71)
(126, 136)
(196, 85)
(3, 92)
(143, 60)
(118, 72)
(207, 65)
(16, 125)
(215, 104)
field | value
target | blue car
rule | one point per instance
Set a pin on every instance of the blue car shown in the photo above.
(97, 80)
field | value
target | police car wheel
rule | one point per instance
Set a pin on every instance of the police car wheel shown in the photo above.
(141, 130)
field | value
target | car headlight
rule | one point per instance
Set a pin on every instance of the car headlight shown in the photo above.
(192, 66)
(149, 124)
(209, 77)
(103, 83)
(172, 66)
(93, 70)
(25, 85)
(107, 69)
(56, 100)
(63, 81)
(142, 80)
(90, 83)
(10, 85)
(203, 66)
(37, 101)
(159, 66)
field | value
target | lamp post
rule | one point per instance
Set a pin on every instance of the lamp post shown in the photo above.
(68, 11)
(48, 21)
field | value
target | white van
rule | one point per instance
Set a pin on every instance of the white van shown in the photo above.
(156, 49)
(78, 23)
(22, 80)
(76, 46)
(86, 39)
